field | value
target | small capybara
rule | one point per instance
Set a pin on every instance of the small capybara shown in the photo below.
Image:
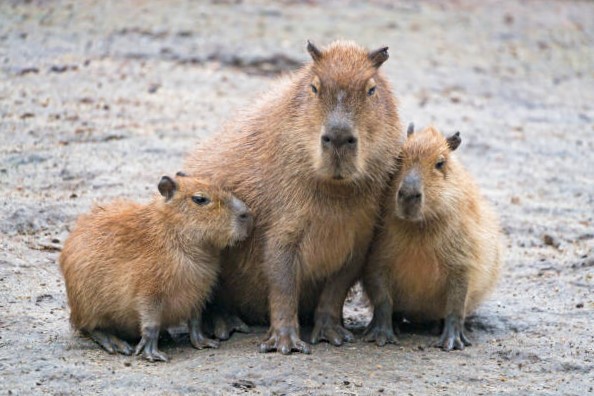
(311, 160)
(132, 270)
(437, 254)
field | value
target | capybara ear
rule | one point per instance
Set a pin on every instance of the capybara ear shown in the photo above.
(454, 141)
(379, 56)
(411, 129)
(167, 187)
(181, 174)
(314, 51)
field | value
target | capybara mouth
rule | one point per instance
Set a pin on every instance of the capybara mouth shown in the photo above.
(409, 214)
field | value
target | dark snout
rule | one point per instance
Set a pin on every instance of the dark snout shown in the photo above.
(411, 189)
(244, 219)
(410, 196)
(338, 133)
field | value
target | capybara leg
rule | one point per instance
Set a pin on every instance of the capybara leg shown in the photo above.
(328, 324)
(149, 345)
(283, 335)
(197, 337)
(381, 329)
(453, 336)
(224, 324)
(111, 343)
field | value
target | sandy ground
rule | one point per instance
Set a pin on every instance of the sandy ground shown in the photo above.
(98, 99)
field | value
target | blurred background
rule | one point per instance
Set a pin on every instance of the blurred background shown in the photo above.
(98, 99)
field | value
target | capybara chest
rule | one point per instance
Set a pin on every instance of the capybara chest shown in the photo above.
(329, 243)
(418, 281)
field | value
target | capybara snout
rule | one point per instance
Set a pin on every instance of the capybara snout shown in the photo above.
(410, 196)
(244, 220)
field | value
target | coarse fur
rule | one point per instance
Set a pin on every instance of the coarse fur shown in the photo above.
(315, 201)
(127, 264)
(444, 246)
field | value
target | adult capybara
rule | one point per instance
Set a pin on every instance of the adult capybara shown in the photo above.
(311, 160)
(437, 254)
(132, 270)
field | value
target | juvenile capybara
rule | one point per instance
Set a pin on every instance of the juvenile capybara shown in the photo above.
(311, 159)
(132, 270)
(437, 254)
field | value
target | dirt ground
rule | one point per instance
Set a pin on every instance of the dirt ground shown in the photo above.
(98, 99)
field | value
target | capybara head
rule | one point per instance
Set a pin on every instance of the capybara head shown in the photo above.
(205, 211)
(346, 103)
(424, 178)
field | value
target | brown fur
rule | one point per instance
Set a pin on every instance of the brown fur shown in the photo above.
(414, 262)
(125, 259)
(314, 210)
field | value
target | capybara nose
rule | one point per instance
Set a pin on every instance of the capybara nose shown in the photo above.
(410, 196)
(411, 188)
(337, 136)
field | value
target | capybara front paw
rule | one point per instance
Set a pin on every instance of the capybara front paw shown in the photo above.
(285, 341)
(381, 335)
(149, 350)
(453, 336)
(326, 329)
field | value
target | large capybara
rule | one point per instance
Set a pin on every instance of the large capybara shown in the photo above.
(311, 160)
(437, 255)
(132, 270)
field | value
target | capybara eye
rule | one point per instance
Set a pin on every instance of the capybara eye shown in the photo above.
(440, 164)
(371, 91)
(200, 200)
(314, 89)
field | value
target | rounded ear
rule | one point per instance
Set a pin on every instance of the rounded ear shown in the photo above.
(454, 141)
(314, 51)
(379, 56)
(167, 187)
(411, 129)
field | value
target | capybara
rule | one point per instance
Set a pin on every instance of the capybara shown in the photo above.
(437, 254)
(311, 159)
(132, 270)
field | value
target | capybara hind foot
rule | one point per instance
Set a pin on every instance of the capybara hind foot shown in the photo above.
(284, 340)
(197, 337)
(111, 343)
(328, 329)
(453, 336)
(225, 324)
(149, 345)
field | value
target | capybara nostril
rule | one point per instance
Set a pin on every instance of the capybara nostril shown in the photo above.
(338, 139)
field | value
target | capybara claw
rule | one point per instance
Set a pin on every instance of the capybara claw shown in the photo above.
(381, 336)
(335, 334)
(204, 343)
(453, 337)
(284, 342)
